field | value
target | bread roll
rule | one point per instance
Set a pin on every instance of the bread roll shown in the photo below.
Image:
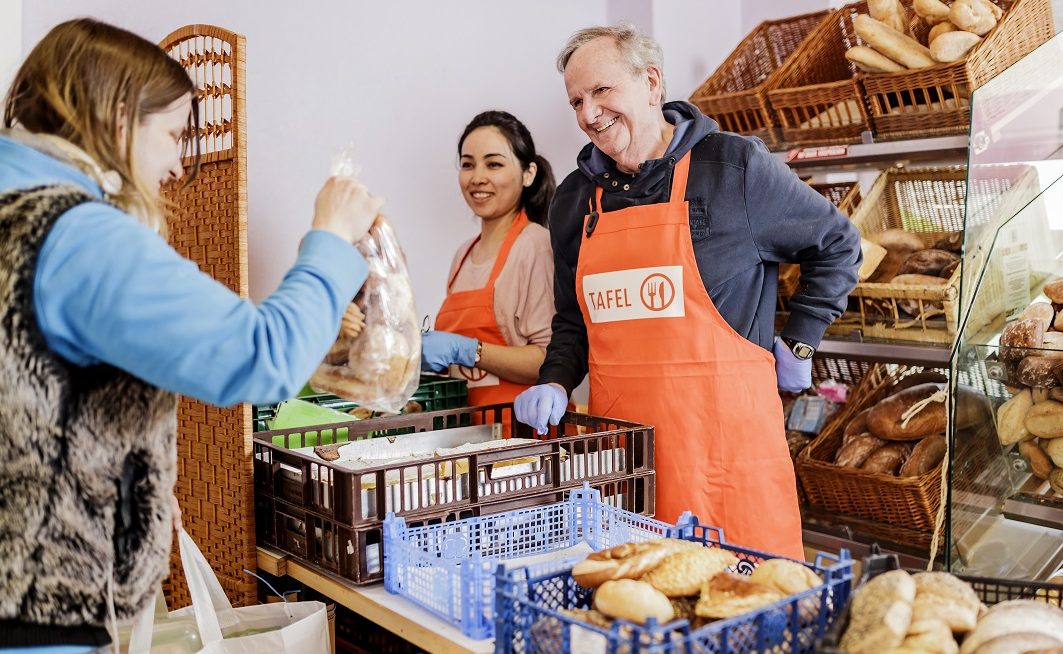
(885, 418)
(942, 596)
(1018, 337)
(1039, 461)
(899, 240)
(927, 262)
(683, 573)
(1039, 371)
(975, 16)
(728, 595)
(635, 601)
(891, 13)
(887, 459)
(1055, 480)
(880, 614)
(1054, 291)
(627, 561)
(896, 45)
(932, 11)
(1045, 420)
(872, 61)
(1042, 311)
(1025, 642)
(928, 636)
(787, 577)
(857, 450)
(953, 46)
(936, 31)
(926, 456)
(1015, 616)
(1011, 419)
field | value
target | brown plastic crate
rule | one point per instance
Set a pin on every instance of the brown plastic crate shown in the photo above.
(936, 100)
(910, 502)
(581, 448)
(816, 96)
(735, 95)
(845, 196)
(356, 553)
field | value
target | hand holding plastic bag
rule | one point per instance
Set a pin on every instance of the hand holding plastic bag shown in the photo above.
(380, 367)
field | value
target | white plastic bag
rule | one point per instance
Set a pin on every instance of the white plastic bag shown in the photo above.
(280, 628)
(380, 368)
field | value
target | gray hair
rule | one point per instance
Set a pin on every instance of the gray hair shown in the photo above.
(640, 51)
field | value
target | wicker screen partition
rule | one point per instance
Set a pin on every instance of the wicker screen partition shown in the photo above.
(215, 479)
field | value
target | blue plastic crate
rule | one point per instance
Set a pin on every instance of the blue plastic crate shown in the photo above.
(529, 600)
(450, 568)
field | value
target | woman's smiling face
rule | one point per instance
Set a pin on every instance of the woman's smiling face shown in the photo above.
(490, 174)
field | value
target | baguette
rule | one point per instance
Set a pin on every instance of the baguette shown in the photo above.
(890, 12)
(953, 46)
(897, 46)
(932, 11)
(872, 61)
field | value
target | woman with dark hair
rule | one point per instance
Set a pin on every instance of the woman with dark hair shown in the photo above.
(494, 324)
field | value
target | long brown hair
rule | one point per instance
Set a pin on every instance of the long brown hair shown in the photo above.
(84, 80)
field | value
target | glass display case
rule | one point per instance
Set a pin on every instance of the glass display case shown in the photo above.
(1004, 509)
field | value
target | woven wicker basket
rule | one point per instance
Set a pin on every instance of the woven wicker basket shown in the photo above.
(936, 100)
(845, 196)
(215, 480)
(910, 502)
(816, 95)
(735, 95)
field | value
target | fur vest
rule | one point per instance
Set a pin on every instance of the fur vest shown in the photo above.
(87, 455)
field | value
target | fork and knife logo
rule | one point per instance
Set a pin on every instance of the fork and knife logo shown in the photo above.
(657, 292)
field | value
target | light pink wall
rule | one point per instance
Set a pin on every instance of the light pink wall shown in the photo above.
(400, 80)
(755, 11)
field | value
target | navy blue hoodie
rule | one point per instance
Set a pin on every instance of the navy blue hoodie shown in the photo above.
(748, 213)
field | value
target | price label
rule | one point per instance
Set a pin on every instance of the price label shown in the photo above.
(1015, 264)
(821, 152)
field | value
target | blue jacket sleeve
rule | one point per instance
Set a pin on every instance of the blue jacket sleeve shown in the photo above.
(107, 289)
(791, 222)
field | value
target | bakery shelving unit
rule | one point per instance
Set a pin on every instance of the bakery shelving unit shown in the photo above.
(1000, 520)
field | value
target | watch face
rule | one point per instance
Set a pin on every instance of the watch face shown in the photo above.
(803, 351)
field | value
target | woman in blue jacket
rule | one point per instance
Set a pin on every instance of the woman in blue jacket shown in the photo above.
(102, 323)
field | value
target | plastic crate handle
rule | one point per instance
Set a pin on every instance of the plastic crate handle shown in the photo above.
(394, 527)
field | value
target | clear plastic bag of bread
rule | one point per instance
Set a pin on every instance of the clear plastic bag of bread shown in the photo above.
(380, 367)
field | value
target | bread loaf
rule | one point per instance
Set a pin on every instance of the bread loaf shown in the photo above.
(927, 636)
(891, 13)
(1039, 371)
(635, 601)
(887, 459)
(885, 418)
(927, 262)
(899, 240)
(855, 427)
(952, 242)
(1025, 642)
(1039, 460)
(916, 378)
(1054, 291)
(926, 456)
(787, 577)
(1011, 419)
(975, 16)
(942, 596)
(953, 46)
(896, 45)
(1045, 420)
(857, 450)
(936, 31)
(1015, 616)
(1018, 337)
(1042, 311)
(880, 614)
(932, 11)
(1053, 449)
(872, 61)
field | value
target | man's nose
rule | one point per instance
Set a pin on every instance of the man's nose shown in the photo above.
(590, 112)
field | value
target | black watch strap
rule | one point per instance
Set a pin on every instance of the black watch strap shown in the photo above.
(799, 349)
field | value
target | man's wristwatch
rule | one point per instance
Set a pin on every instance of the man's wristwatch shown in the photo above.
(801, 350)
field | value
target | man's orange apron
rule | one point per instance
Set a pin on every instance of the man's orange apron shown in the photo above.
(661, 354)
(472, 314)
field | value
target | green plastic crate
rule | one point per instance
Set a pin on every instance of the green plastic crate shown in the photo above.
(434, 393)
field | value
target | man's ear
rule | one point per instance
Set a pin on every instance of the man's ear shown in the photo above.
(529, 174)
(653, 76)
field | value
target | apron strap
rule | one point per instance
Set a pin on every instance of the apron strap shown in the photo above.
(680, 174)
(519, 223)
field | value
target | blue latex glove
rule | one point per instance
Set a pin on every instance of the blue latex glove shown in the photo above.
(539, 404)
(441, 349)
(794, 375)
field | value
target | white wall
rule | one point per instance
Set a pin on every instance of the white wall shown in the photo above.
(10, 41)
(401, 80)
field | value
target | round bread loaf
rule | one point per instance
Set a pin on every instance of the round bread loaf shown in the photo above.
(1039, 371)
(786, 576)
(1018, 337)
(926, 456)
(1015, 616)
(886, 419)
(887, 459)
(632, 600)
(1054, 291)
(1045, 419)
(857, 450)
(1042, 311)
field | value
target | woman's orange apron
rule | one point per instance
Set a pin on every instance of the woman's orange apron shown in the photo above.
(661, 354)
(472, 314)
